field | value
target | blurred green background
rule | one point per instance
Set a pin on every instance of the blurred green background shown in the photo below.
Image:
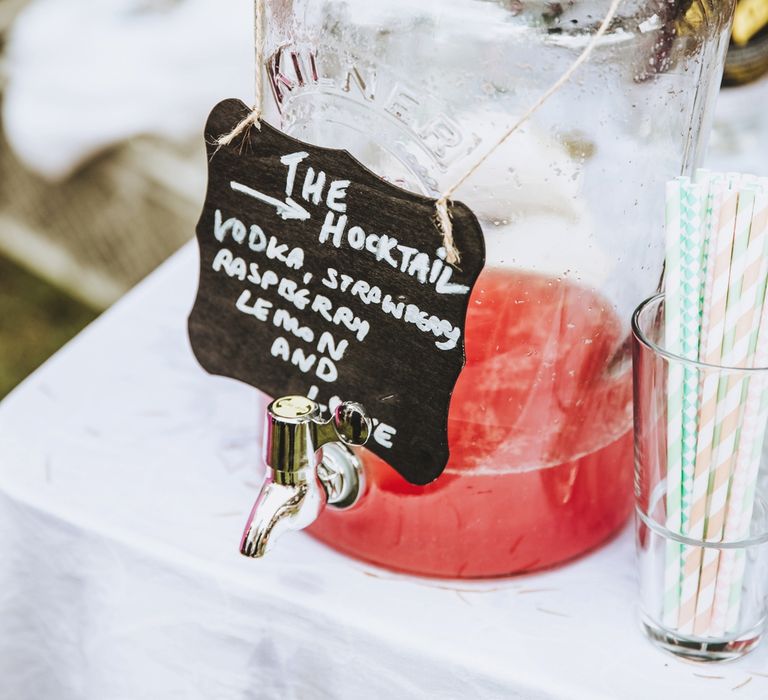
(38, 319)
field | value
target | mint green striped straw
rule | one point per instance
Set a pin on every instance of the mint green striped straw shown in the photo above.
(698, 208)
(691, 286)
(721, 229)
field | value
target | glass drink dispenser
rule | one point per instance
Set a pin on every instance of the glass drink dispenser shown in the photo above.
(571, 207)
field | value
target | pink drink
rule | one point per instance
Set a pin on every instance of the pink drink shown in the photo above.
(540, 438)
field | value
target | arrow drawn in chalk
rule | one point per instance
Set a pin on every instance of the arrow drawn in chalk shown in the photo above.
(289, 209)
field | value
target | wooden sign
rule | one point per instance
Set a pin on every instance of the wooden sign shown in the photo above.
(319, 278)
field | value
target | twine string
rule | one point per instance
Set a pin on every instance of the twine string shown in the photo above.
(442, 205)
(253, 118)
(442, 211)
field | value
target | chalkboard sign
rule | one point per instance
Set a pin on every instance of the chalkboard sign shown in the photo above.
(319, 278)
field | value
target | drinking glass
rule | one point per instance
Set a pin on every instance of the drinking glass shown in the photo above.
(702, 540)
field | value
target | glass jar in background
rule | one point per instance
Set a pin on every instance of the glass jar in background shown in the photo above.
(571, 208)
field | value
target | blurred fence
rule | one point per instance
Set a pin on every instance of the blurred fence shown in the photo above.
(99, 232)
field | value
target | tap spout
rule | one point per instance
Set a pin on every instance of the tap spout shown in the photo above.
(306, 468)
(279, 507)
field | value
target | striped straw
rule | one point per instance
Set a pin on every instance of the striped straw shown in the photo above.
(748, 502)
(691, 287)
(728, 416)
(753, 334)
(730, 573)
(717, 313)
(693, 199)
(720, 233)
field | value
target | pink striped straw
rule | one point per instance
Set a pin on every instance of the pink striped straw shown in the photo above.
(729, 411)
(746, 462)
(718, 268)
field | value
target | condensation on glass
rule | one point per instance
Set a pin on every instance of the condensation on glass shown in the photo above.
(572, 211)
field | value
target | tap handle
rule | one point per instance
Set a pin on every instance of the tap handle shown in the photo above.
(351, 424)
(295, 431)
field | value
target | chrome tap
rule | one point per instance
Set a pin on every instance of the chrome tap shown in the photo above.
(309, 465)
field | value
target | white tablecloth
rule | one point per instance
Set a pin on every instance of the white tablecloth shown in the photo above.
(126, 475)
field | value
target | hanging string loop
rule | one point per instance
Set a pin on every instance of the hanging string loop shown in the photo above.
(253, 118)
(442, 206)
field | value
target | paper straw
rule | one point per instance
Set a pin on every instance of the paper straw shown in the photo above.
(720, 224)
(672, 342)
(758, 424)
(714, 186)
(747, 504)
(698, 243)
(732, 561)
(716, 312)
(728, 414)
(753, 334)
(691, 282)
